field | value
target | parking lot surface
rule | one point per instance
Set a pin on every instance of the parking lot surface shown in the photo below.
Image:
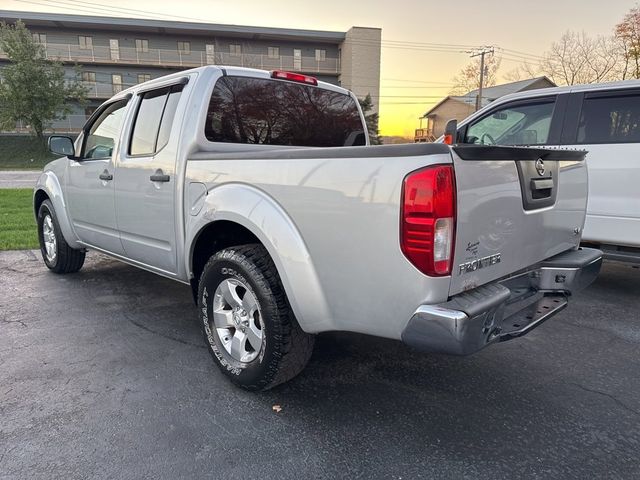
(104, 374)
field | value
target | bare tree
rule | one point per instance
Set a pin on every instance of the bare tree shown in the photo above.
(523, 71)
(576, 58)
(469, 77)
(627, 36)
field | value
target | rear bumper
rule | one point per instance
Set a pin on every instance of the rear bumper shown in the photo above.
(505, 309)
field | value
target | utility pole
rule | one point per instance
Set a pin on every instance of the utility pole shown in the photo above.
(481, 52)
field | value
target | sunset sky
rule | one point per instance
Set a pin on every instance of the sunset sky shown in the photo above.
(412, 79)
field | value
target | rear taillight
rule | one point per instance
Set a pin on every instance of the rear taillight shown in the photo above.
(428, 219)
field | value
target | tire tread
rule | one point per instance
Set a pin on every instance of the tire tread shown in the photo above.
(294, 345)
(69, 259)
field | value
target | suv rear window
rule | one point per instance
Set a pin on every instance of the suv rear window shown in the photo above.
(278, 112)
(610, 119)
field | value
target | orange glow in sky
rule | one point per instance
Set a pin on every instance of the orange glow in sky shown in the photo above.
(412, 79)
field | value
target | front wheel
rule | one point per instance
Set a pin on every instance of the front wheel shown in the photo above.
(248, 324)
(56, 253)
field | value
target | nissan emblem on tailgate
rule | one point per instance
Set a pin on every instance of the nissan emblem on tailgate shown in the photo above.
(540, 167)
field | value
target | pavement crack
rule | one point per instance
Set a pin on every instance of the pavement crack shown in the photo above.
(15, 270)
(608, 395)
(169, 337)
(3, 320)
(6, 453)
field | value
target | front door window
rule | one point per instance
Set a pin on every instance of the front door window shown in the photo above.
(102, 136)
(524, 124)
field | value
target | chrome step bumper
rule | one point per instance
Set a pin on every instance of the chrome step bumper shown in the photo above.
(505, 309)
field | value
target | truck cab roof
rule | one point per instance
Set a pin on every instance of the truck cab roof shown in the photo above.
(225, 70)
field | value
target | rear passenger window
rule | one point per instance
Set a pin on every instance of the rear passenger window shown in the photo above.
(278, 112)
(525, 124)
(153, 121)
(168, 116)
(610, 119)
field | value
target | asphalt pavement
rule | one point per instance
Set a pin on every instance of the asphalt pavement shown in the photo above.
(19, 178)
(104, 374)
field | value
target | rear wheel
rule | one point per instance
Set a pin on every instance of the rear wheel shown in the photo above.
(248, 324)
(56, 253)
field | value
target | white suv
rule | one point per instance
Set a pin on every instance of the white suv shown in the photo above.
(603, 119)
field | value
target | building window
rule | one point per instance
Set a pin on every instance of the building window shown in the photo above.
(143, 77)
(235, 49)
(142, 45)
(116, 80)
(40, 38)
(85, 43)
(89, 77)
(184, 47)
(211, 53)
(321, 55)
(274, 52)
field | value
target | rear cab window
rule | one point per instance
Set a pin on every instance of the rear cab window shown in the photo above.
(278, 112)
(514, 124)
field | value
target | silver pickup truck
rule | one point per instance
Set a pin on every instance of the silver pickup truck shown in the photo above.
(214, 177)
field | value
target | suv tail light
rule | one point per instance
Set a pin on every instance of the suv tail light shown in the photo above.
(428, 219)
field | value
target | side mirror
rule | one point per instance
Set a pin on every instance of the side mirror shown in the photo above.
(61, 145)
(451, 132)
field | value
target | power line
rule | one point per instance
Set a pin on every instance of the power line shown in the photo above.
(91, 7)
(412, 81)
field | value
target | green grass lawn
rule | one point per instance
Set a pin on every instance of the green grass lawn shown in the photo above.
(17, 225)
(22, 152)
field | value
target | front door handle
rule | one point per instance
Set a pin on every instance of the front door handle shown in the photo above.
(106, 176)
(159, 176)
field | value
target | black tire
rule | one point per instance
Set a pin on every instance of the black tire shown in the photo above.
(286, 349)
(66, 259)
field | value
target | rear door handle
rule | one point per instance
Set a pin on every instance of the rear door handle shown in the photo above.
(159, 177)
(106, 176)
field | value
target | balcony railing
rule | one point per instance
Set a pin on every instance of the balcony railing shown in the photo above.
(424, 135)
(70, 124)
(104, 90)
(176, 58)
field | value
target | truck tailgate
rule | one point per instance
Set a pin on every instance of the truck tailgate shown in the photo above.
(516, 207)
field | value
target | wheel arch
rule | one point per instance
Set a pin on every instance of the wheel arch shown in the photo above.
(48, 188)
(235, 214)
